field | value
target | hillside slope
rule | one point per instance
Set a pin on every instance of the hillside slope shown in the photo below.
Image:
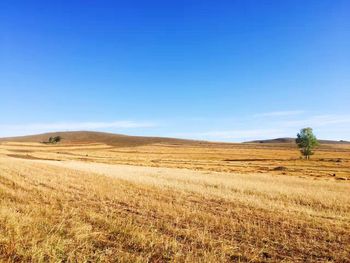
(126, 140)
(292, 140)
(98, 137)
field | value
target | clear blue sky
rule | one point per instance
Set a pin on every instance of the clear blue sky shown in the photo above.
(216, 70)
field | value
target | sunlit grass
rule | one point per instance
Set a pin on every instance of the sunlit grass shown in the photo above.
(75, 211)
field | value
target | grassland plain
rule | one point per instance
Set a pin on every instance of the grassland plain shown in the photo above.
(172, 202)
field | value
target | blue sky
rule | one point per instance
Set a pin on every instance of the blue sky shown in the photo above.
(214, 70)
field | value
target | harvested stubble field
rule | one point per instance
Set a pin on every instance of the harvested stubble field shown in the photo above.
(173, 202)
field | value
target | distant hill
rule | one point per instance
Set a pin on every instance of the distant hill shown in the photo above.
(98, 137)
(292, 140)
(126, 140)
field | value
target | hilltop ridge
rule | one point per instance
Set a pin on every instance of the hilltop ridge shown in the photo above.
(97, 137)
(127, 140)
(292, 140)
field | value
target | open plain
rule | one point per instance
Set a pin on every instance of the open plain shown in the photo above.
(173, 201)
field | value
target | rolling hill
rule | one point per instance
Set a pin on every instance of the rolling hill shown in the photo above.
(98, 137)
(126, 140)
(292, 140)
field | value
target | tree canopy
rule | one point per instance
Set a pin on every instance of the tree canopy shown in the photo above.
(306, 141)
(55, 139)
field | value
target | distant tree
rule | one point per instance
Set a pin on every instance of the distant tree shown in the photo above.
(54, 140)
(57, 139)
(306, 142)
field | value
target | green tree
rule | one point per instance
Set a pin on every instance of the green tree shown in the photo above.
(54, 140)
(57, 139)
(306, 141)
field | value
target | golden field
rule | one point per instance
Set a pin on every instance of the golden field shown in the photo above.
(173, 202)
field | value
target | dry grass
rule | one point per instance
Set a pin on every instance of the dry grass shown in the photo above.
(330, 161)
(88, 209)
